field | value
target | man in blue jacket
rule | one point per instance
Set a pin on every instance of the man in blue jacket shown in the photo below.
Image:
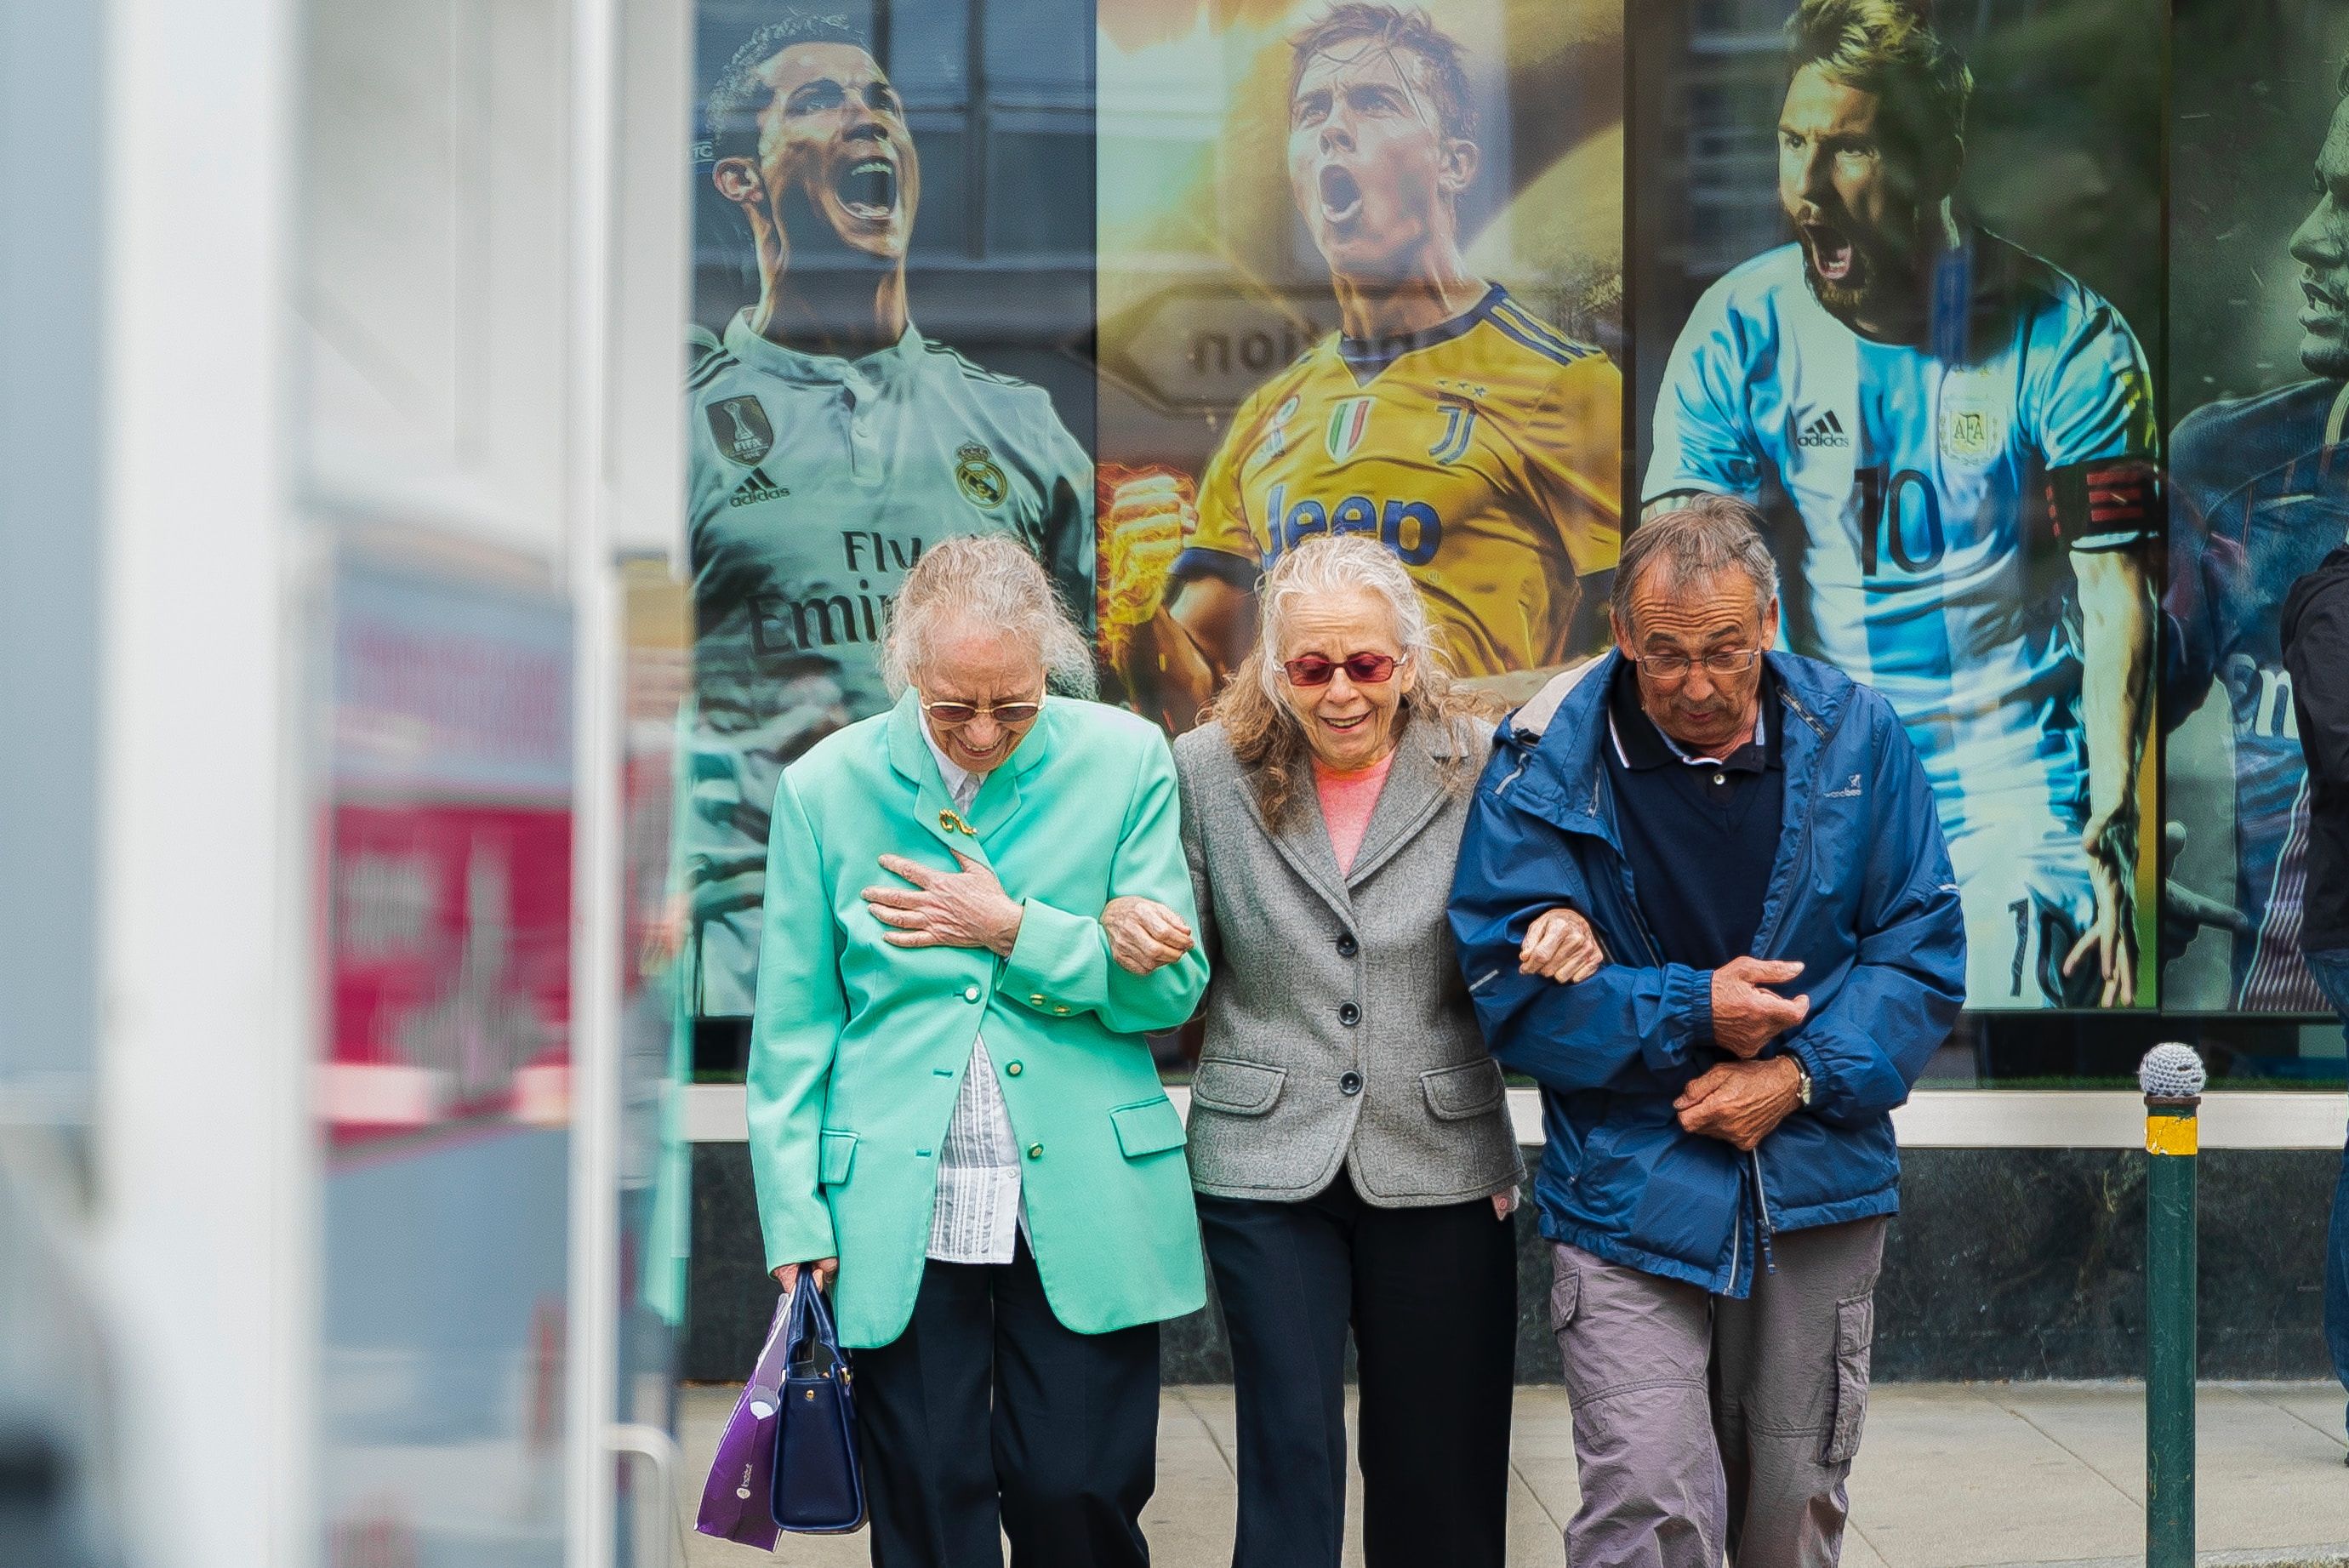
(1752, 838)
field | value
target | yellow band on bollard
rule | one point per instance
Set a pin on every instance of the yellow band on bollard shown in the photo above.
(2172, 1135)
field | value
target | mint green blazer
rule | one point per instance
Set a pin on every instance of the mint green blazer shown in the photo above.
(858, 1049)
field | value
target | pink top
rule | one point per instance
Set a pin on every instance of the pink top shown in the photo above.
(1346, 802)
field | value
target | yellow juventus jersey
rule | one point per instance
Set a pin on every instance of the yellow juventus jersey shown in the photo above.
(1487, 453)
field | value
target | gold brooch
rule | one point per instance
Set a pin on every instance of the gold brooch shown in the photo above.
(954, 824)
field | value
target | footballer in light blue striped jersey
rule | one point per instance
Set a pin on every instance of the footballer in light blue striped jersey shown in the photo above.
(829, 441)
(1963, 441)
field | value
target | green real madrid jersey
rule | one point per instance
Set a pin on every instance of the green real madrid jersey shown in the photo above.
(814, 482)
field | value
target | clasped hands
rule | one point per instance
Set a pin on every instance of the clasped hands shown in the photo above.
(1740, 1101)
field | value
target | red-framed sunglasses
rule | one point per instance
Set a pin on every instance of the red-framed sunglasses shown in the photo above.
(1362, 669)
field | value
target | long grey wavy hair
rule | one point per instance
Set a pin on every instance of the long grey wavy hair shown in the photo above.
(984, 581)
(1265, 732)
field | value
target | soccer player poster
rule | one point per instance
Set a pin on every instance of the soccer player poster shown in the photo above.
(1900, 259)
(891, 297)
(2260, 476)
(1360, 271)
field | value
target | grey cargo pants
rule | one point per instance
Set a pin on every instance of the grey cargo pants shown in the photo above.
(1704, 1425)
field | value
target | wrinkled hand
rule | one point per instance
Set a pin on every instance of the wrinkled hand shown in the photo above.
(967, 908)
(1145, 934)
(1741, 1103)
(1560, 945)
(826, 1271)
(1745, 1016)
(2111, 937)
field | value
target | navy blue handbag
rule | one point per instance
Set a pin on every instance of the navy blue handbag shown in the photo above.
(818, 1489)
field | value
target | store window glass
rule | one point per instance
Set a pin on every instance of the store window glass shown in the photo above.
(1059, 269)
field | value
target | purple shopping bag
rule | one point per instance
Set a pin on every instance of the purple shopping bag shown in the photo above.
(737, 1503)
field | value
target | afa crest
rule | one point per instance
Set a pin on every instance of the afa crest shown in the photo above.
(740, 427)
(1971, 432)
(978, 476)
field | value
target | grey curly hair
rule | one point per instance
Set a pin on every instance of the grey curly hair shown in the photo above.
(1265, 732)
(984, 581)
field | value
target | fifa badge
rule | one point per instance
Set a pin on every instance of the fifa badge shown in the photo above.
(981, 481)
(739, 426)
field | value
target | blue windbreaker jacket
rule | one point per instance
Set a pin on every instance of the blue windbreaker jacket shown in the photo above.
(1861, 894)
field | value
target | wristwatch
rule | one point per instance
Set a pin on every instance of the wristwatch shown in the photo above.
(1801, 1083)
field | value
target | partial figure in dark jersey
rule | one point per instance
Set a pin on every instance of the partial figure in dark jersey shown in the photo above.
(828, 441)
(2262, 488)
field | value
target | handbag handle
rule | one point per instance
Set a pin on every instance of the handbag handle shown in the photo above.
(810, 1321)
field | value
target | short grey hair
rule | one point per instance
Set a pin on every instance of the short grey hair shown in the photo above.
(984, 583)
(1341, 563)
(1704, 535)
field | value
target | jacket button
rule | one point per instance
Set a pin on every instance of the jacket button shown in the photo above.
(1349, 1014)
(1347, 946)
(1036, 997)
(1059, 1011)
(1035, 1152)
(970, 992)
(1351, 1083)
(1011, 1067)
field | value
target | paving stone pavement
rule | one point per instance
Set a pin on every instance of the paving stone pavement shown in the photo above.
(1950, 1475)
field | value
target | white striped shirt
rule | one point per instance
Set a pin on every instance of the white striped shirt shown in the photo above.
(979, 1215)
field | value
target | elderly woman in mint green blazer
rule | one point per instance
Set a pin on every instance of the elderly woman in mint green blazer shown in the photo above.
(951, 1103)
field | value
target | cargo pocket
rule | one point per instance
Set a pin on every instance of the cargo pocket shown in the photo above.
(1854, 1337)
(1565, 1293)
(1470, 1089)
(839, 1155)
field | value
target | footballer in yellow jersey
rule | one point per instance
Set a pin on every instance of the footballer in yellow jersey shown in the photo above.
(1478, 443)
(1484, 452)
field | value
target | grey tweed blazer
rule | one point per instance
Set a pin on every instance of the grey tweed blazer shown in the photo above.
(1337, 1028)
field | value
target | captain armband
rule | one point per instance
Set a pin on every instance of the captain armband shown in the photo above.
(2110, 504)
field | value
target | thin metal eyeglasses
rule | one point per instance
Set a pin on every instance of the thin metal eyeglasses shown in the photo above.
(1676, 667)
(1010, 713)
(1362, 669)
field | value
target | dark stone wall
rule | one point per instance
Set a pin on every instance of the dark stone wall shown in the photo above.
(2004, 1264)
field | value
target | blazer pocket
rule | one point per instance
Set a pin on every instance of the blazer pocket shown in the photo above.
(839, 1154)
(1236, 1088)
(1457, 1094)
(1147, 1126)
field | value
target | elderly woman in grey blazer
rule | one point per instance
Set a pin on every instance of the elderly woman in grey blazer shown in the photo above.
(1349, 1139)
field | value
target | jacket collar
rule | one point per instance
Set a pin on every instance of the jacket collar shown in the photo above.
(1558, 736)
(998, 798)
(1409, 799)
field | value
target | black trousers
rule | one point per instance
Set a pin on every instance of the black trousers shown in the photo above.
(988, 1411)
(1432, 1295)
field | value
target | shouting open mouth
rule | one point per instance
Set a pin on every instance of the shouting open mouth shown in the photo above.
(868, 188)
(1833, 255)
(1342, 196)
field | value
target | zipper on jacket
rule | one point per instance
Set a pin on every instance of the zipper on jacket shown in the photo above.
(1762, 1214)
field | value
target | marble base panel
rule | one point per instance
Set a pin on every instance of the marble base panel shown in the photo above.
(2004, 1264)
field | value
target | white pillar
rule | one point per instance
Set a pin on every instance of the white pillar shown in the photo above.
(206, 1164)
